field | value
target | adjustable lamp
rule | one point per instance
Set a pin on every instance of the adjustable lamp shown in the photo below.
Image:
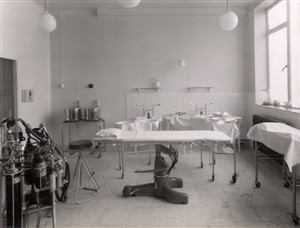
(228, 20)
(129, 3)
(47, 21)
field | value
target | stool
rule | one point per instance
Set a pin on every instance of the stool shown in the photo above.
(80, 145)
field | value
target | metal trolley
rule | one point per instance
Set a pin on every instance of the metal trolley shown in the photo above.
(289, 177)
(34, 164)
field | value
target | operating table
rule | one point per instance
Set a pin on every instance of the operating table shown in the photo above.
(163, 183)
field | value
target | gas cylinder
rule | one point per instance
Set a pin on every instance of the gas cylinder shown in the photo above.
(39, 165)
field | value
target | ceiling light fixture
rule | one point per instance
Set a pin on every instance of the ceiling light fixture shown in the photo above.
(47, 21)
(228, 20)
(181, 62)
(129, 3)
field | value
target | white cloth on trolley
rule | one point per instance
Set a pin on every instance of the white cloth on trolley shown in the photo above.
(226, 125)
(182, 122)
(139, 125)
(201, 123)
(279, 137)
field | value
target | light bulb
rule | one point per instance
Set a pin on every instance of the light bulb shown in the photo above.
(129, 3)
(47, 22)
(228, 21)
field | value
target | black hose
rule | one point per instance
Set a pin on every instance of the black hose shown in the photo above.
(48, 136)
(64, 189)
(29, 130)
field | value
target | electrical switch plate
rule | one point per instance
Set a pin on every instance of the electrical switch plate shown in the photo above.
(30, 95)
(23, 95)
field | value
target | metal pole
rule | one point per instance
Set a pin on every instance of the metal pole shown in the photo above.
(256, 162)
(122, 157)
(294, 191)
(201, 150)
(239, 138)
(234, 159)
(214, 160)
(53, 210)
(62, 137)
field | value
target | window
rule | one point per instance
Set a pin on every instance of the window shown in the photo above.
(278, 77)
(283, 62)
(277, 14)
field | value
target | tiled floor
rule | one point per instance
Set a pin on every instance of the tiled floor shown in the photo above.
(211, 204)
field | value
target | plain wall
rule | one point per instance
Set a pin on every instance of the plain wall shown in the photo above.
(119, 54)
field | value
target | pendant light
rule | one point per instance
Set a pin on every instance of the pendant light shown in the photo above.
(47, 21)
(228, 20)
(129, 3)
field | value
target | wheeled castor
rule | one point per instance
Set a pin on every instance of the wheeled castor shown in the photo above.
(286, 184)
(295, 219)
(213, 178)
(257, 183)
(126, 191)
(234, 178)
(201, 165)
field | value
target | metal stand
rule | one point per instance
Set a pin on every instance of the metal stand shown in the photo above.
(163, 184)
(214, 150)
(82, 163)
(100, 124)
(80, 145)
(286, 184)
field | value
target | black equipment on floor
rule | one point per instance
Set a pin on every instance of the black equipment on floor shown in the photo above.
(163, 184)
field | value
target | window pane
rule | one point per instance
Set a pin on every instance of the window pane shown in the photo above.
(277, 61)
(277, 15)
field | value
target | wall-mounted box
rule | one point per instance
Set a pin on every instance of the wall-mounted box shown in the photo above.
(23, 95)
(30, 95)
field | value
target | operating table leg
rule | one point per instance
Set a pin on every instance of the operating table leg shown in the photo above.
(163, 184)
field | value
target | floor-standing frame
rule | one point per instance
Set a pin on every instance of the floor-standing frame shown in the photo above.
(294, 182)
(212, 149)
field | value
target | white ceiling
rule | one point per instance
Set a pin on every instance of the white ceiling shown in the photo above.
(145, 4)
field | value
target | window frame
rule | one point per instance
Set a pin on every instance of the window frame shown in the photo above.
(291, 76)
(272, 31)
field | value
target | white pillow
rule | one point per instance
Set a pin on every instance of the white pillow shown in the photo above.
(109, 133)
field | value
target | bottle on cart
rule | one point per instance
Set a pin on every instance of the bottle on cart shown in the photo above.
(96, 113)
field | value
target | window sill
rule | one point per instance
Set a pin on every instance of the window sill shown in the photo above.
(293, 110)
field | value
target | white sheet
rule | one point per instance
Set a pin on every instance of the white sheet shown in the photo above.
(226, 125)
(168, 136)
(139, 125)
(279, 137)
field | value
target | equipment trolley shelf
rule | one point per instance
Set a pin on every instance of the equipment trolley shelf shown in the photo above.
(100, 123)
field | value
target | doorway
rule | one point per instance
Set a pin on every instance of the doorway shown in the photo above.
(8, 98)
